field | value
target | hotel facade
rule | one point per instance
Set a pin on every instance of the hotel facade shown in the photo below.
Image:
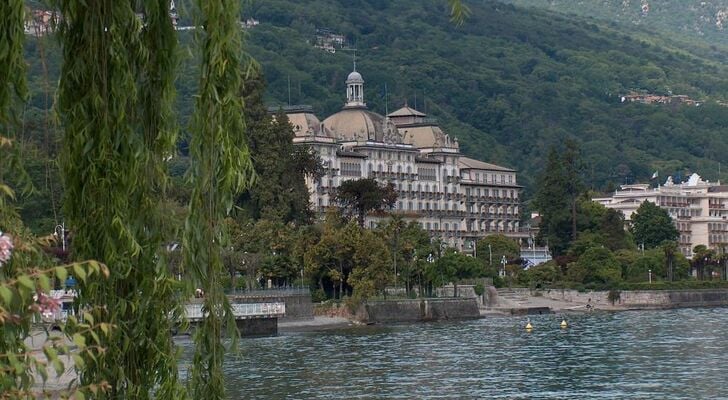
(698, 208)
(453, 197)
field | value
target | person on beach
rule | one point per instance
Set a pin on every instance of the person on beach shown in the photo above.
(588, 304)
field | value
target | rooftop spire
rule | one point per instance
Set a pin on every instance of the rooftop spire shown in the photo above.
(354, 89)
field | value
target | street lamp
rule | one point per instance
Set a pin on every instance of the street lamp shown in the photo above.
(490, 255)
(503, 263)
(62, 234)
(649, 274)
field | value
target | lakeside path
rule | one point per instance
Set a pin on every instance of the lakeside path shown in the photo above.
(55, 384)
(508, 300)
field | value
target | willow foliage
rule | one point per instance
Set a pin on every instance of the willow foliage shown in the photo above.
(114, 100)
(221, 167)
(12, 85)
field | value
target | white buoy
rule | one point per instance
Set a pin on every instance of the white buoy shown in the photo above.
(564, 325)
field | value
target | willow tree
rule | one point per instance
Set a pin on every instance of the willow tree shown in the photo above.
(114, 102)
(220, 168)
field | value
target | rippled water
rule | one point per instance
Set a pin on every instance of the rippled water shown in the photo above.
(672, 354)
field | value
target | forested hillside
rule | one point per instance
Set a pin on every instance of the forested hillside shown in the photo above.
(509, 83)
(699, 20)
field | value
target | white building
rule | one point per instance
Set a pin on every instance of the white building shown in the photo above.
(456, 198)
(698, 208)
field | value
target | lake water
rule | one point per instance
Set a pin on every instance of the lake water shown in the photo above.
(671, 354)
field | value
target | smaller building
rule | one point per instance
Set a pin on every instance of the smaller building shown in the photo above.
(698, 208)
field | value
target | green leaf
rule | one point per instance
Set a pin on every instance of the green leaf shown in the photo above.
(44, 282)
(61, 273)
(58, 366)
(88, 317)
(80, 272)
(79, 340)
(25, 281)
(6, 294)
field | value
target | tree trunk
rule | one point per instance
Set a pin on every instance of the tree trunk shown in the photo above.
(573, 219)
(341, 281)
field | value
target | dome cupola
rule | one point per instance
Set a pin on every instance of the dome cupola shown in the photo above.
(355, 90)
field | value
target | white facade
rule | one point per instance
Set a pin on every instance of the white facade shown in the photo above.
(698, 208)
(453, 197)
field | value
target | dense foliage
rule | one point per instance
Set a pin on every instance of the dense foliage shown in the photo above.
(358, 197)
(652, 225)
(697, 20)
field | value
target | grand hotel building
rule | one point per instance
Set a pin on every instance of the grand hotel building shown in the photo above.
(453, 197)
(699, 209)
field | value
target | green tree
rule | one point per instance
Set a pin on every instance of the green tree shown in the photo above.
(371, 270)
(704, 259)
(494, 248)
(601, 266)
(652, 225)
(453, 267)
(556, 198)
(361, 196)
(114, 101)
(221, 167)
(612, 228)
(279, 192)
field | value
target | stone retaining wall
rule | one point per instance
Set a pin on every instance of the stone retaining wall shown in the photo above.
(642, 298)
(418, 310)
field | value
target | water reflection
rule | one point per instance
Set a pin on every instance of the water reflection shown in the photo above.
(672, 354)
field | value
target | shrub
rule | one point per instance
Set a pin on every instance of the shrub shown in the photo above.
(479, 289)
(318, 296)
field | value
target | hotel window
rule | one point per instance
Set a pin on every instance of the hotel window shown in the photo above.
(437, 225)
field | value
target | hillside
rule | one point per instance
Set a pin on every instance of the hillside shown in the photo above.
(509, 83)
(698, 20)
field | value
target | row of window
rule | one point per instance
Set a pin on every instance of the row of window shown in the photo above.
(350, 169)
(489, 178)
(505, 193)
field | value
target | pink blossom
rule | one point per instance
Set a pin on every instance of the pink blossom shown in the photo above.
(6, 245)
(48, 305)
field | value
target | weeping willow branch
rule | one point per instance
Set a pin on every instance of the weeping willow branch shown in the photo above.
(12, 86)
(459, 12)
(12, 65)
(221, 167)
(114, 99)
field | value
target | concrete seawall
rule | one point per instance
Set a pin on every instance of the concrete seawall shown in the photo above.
(640, 298)
(435, 309)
